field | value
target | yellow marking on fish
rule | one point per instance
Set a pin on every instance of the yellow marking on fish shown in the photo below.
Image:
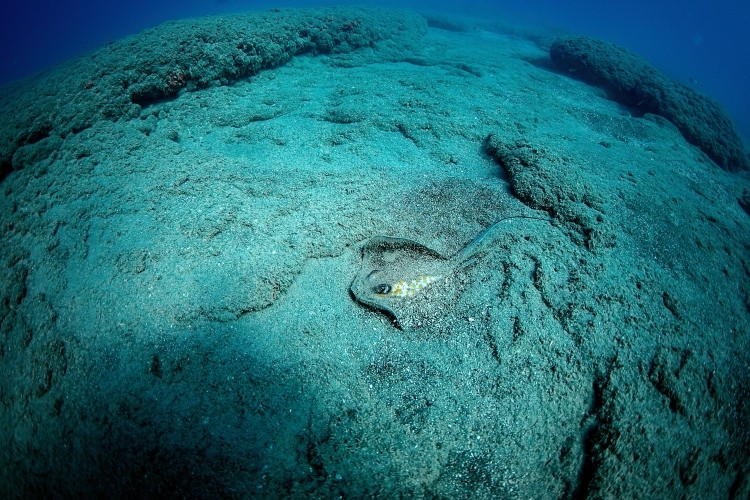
(410, 289)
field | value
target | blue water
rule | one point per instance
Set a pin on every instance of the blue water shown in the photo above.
(698, 42)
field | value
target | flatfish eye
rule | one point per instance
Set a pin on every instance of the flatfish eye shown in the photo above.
(382, 289)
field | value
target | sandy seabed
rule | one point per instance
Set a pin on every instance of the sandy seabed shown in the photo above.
(177, 316)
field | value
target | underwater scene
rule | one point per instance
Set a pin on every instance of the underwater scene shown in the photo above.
(397, 249)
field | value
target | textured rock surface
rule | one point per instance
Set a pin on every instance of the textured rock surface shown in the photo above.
(629, 288)
(632, 81)
(159, 63)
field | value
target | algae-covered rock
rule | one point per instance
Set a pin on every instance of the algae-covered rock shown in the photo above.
(632, 81)
(158, 63)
